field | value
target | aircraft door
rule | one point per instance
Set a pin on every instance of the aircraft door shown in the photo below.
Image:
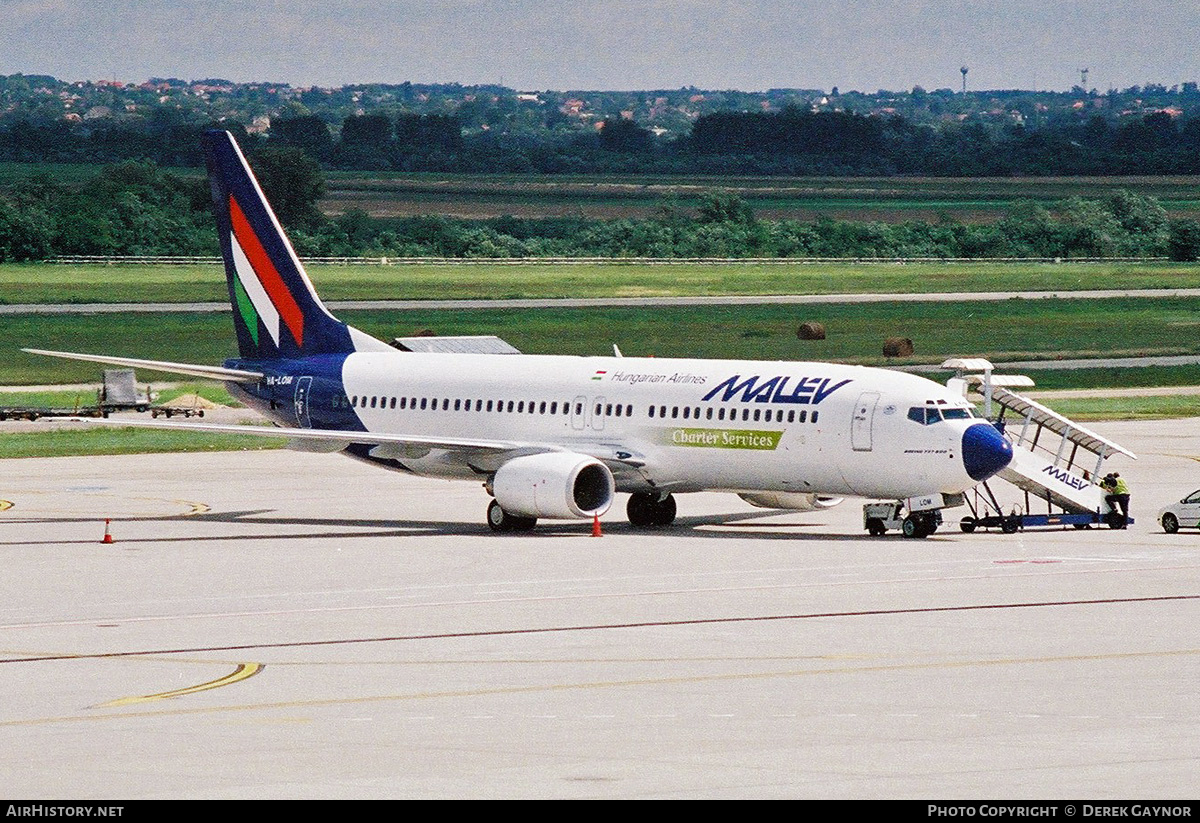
(579, 413)
(863, 421)
(303, 390)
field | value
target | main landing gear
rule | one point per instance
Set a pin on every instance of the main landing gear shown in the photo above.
(646, 510)
(501, 521)
(649, 510)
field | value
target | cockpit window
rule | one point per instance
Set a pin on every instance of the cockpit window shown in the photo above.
(956, 414)
(924, 415)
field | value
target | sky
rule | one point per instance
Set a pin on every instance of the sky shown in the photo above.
(751, 45)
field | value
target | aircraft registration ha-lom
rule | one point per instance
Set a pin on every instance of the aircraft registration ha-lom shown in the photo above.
(560, 436)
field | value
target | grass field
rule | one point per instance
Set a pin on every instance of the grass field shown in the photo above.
(68, 442)
(1127, 408)
(887, 199)
(1004, 330)
(45, 283)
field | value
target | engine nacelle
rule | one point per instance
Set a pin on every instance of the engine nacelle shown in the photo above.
(792, 501)
(554, 484)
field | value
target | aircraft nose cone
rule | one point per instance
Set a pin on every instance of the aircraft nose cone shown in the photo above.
(984, 451)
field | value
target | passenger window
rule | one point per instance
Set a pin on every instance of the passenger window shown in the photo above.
(814, 419)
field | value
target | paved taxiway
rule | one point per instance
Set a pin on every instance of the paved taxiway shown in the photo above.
(271, 624)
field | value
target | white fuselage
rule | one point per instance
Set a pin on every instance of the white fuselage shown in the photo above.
(673, 424)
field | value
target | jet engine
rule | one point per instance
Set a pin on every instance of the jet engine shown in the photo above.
(554, 484)
(792, 501)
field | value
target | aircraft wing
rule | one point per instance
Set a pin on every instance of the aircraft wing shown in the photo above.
(192, 369)
(316, 436)
(333, 440)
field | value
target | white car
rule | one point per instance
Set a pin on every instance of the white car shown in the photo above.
(1184, 513)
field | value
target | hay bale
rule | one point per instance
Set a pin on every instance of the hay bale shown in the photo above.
(811, 331)
(897, 347)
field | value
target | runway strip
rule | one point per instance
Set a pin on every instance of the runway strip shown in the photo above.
(603, 627)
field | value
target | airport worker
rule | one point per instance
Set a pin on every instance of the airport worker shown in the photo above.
(1118, 493)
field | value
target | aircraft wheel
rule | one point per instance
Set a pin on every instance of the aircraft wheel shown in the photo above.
(497, 519)
(501, 521)
(646, 511)
(664, 511)
(1170, 523)
(640, 510)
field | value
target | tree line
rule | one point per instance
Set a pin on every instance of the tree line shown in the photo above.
(793, 141)
(137, 208)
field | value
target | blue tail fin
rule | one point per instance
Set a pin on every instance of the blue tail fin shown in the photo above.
(276, 310)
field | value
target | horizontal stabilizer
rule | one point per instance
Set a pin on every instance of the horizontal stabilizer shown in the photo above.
(194, 370)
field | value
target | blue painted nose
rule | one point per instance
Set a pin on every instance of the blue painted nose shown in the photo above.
(984, 451)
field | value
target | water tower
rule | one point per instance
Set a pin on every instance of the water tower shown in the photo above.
(964, 74)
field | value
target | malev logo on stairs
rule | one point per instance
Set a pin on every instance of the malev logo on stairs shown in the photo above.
(1064, 476)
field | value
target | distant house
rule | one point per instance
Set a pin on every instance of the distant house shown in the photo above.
(259, 125)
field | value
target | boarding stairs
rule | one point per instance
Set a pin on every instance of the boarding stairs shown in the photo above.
(1056, 461)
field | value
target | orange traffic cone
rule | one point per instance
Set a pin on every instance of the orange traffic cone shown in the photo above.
(596, 526)
(108, 538)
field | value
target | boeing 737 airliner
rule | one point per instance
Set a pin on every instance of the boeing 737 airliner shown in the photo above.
(559, 436)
